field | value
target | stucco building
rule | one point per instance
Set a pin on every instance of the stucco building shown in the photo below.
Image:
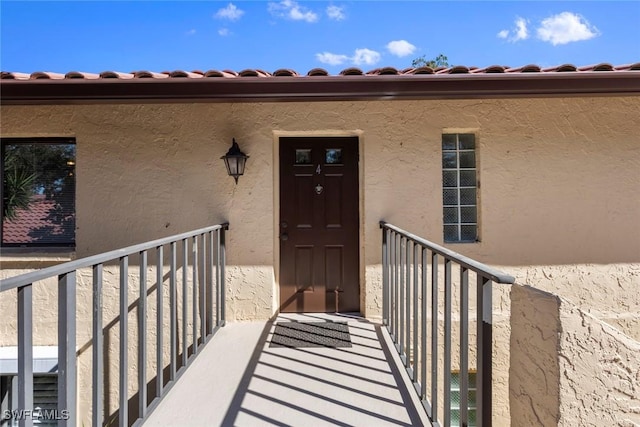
(534, 171)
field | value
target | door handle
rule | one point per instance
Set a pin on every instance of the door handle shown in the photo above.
(284, 236)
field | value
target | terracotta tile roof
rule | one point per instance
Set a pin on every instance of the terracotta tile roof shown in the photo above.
(459, 69)
(34, 225)
(253, 85)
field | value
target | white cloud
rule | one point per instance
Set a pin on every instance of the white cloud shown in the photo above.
(360, 57)
(366, 57)
(292, 10)
(231, 12)
(566, 27)
(336, 12)
(400, 48)
(331, 58)
(519, 32)
(191, 32)
(224, 32)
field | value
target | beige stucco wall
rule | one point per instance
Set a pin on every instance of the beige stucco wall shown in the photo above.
(559, 174)
(559, 192)
(567, 367)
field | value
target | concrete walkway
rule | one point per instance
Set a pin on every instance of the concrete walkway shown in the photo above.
(239, 380)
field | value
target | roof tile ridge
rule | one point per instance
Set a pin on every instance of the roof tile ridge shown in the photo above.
(144, 74)
(116, 75)
(7, 75)
(46, 75)
(81, 75)
(315, 72)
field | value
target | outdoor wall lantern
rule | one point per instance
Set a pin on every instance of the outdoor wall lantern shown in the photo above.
(235, 161)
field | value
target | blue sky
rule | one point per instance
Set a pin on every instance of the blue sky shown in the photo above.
(126, 36)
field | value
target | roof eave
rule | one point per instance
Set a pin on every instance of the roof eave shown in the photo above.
(325, 88)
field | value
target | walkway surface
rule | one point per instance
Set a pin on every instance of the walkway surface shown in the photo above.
(240, 380)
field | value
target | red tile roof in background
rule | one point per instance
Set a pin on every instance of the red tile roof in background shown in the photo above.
(317, 72)
(32, 226)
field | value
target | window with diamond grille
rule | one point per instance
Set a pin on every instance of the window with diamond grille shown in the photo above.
(455, 399)
(459, 187)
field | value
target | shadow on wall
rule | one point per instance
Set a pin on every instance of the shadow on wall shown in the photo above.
(111, 357)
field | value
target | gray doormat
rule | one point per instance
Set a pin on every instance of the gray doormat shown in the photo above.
(311, 334)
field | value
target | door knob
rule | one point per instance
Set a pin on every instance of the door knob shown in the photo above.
(284, 237)
(284, 224)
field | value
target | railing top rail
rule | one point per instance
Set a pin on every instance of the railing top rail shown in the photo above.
(56, 270)
(495, 275)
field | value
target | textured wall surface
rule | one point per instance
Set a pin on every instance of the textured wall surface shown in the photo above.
(559, 196)
(534, 373)
(569, 368)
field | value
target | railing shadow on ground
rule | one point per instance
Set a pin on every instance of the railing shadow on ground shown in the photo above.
(303, 372)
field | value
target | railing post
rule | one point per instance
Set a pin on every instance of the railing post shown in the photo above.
(25, 353)
(159, 320)
(484, 344)
(98, 347)
(194, 290)
(210, 283)
(434, 335)
(464, 346)
(124, 343)
(423, 347)
(173, 312)
(223, 261)
(142, 337)
(67, 347)
(185, 302)
(447, 342)
(416, 310)
(385, 277)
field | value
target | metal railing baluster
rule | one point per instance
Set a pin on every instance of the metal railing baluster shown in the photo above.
(185, 302)
(484, 376)
(66, 274)
(218, 280)
(407, 303)
(385, 278)
(393, 300)
(223, 263)
(159, 320)
(416, 359)
(447, 343)
(210, 284)
(194, 289)
(464, 346)
(404, 301)
(25, 352)
(434, 336)
(67, 347)
(202, 289)
(124, 330)
(423, 318)
(401, 300)
(173, 312)
(97, 348)
(142, 337)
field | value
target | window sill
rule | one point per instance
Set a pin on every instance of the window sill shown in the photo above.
(34, 258)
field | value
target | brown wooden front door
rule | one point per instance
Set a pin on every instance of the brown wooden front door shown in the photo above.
(319, 225)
